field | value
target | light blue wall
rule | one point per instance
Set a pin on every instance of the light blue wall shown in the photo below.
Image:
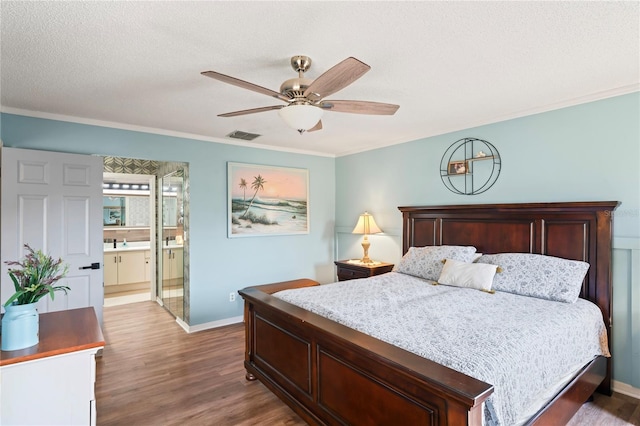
(581, 153)
(219, 265)
(586, 152)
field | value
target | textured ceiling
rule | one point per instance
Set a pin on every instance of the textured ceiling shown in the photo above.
(449, 65)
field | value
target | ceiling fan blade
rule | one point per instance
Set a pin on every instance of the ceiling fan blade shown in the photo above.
(251, 111)
(316, 127)
(360, 107)
(336, 78)
(244, 84)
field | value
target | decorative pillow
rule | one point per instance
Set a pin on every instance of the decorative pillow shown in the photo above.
(426, 262)
(469, 275)
(537, 275)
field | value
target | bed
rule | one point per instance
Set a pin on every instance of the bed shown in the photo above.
(332, 374)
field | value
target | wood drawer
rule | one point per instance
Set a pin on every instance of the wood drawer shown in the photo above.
(350, 274)
(350, 271)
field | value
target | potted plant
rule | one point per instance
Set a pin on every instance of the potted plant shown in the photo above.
(33, 278)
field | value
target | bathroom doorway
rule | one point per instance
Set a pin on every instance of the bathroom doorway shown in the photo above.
(159, 243)
(129, 238)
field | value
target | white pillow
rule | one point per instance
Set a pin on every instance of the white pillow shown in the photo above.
(426, 262)
(537, 275)
(468, 275)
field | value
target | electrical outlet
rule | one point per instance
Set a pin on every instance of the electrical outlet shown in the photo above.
(232, 297)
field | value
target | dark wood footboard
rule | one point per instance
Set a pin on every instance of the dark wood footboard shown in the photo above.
(331, 374)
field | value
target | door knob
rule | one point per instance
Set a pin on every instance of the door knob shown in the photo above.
(92, 266)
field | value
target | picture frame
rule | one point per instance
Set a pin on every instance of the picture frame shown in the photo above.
(458, 167)
(267, 200)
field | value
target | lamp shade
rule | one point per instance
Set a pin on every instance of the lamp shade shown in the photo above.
(366, 225)
(301, 117)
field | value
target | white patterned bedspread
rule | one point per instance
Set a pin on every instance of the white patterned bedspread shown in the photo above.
(521, 345)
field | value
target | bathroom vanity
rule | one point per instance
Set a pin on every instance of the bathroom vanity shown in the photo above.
(127, 265)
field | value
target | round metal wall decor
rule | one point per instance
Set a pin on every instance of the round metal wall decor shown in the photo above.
(470, 166)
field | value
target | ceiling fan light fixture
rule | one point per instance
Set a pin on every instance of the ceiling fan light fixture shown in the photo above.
(301, 117)
(305, 98)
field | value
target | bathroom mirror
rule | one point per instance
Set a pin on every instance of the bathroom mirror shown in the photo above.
(125, 210)
(171, 273)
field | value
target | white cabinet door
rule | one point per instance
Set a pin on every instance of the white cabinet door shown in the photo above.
(166, 264)
(178, 263)
(131, 267)
(147, 265)
(53, 202)
(66, 382)
(111, 268)
(172, 263)
(126, 267)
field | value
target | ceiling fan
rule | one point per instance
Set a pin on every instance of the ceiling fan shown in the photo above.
(305, 97)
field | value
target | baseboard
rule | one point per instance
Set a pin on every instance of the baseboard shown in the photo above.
(183, 324)
(626, 389)
(209, 325)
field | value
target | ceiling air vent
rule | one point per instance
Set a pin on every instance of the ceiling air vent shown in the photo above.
(237, 134)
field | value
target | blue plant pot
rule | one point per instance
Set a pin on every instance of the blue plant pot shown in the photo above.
(20, 327)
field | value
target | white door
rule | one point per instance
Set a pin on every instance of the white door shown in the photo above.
(53, 202)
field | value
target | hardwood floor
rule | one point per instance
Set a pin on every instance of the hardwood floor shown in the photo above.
(617, 410)
(153, 373)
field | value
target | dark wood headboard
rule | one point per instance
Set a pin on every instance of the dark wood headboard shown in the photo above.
(572, 230)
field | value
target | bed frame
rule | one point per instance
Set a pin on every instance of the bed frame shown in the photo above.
(331, 374)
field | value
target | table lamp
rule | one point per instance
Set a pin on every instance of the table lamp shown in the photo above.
(366, 225)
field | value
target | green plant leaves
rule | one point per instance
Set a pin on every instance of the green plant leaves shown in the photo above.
(36, 277)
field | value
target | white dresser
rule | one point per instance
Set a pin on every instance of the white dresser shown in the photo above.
(53, 383)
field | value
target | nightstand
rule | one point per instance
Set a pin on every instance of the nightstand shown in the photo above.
(351, 271)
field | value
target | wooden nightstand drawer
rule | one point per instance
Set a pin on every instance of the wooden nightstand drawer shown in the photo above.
(351, 271)
(350, 274)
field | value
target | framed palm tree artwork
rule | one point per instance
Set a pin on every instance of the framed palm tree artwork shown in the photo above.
(267, 200)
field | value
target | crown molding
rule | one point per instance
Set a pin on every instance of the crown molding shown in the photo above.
(153, 130)
(593, 97)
